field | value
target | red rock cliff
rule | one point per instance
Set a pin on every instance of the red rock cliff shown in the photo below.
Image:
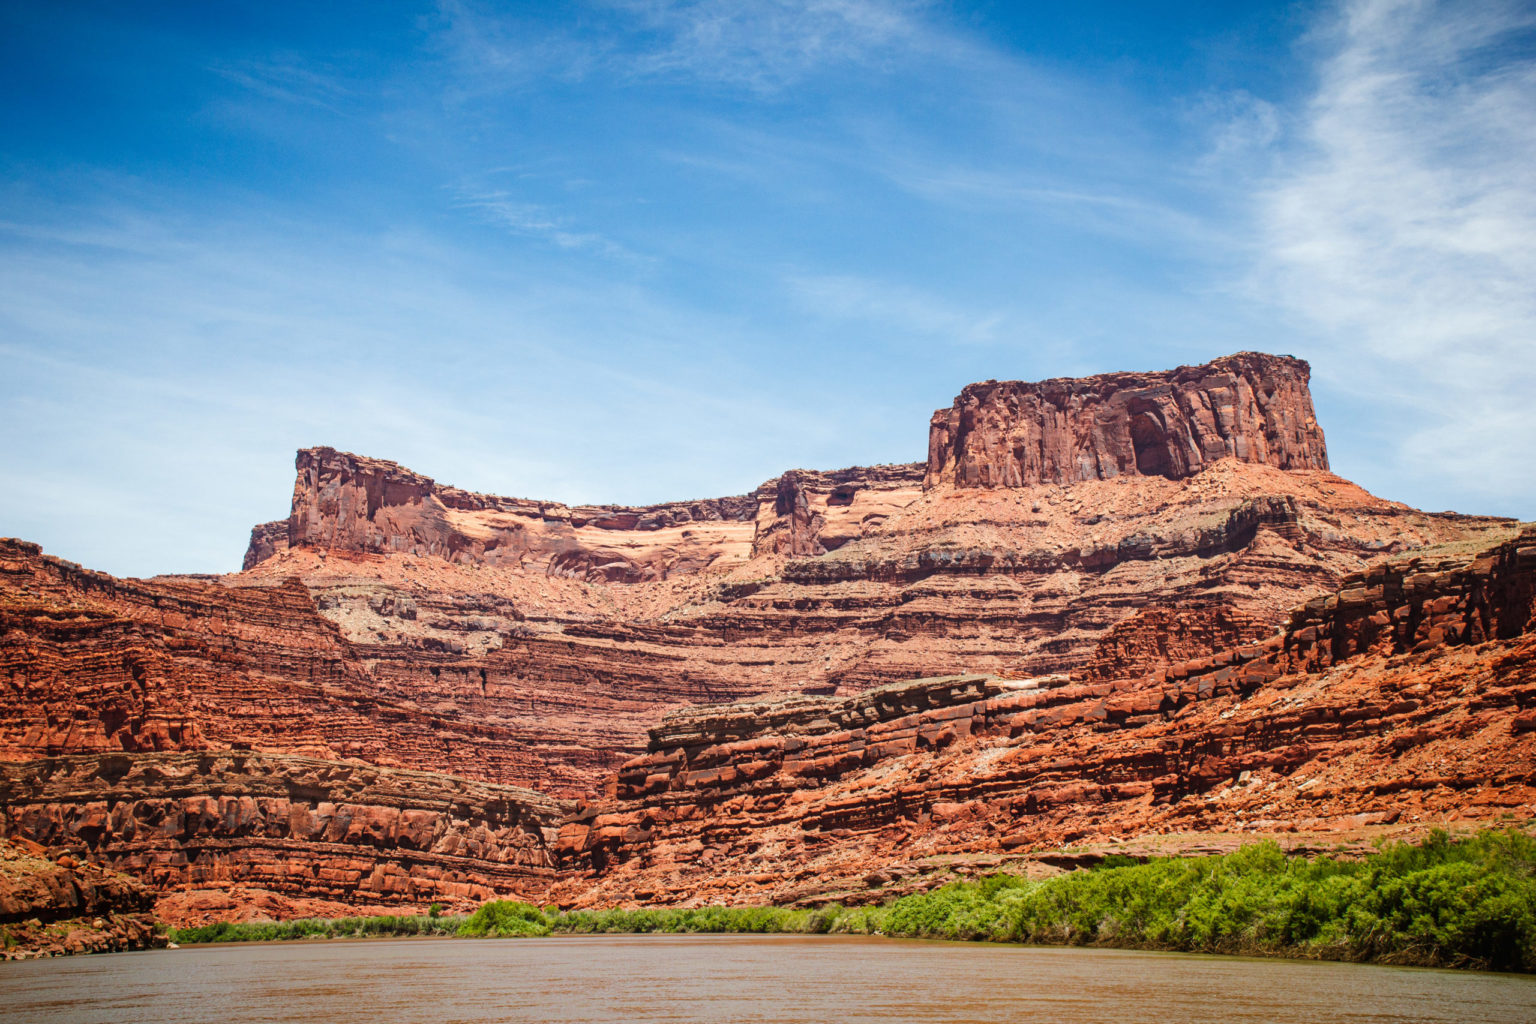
(1407, 698)
(1249, 406)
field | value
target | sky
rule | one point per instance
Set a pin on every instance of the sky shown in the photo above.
(629, 251)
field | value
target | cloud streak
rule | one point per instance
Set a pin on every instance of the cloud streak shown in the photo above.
(893, 307)
(762, 47)
(535, 221)
(767, 45)
(1405, 232)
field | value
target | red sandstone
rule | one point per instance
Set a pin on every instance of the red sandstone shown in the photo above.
(1103, 568)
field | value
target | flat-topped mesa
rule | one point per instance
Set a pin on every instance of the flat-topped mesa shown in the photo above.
(351, 503)
(346, 502)
(1249, 406)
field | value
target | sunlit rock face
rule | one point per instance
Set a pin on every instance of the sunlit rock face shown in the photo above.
(1402, 701)
(1251, 407)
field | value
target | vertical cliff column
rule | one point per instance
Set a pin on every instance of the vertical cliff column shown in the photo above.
(794, 528)
(1250, 406)
(338, 497)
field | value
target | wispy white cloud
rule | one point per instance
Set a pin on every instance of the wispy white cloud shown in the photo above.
(289, 79)
(1405, 230)
(1121, 212)
(895, 307)
(762, 46)
(768, 44)
(537, 221)
(1238, 125)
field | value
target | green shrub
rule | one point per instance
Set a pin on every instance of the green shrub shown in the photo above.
(504, 919)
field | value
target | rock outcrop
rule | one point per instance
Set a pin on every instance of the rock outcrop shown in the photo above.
(808, 513)
(342, 832)
(356, 505)
(267, 539)
(94, 664)
(1250, 406)
(53, 902)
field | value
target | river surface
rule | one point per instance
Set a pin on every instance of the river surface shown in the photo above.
(730, 979)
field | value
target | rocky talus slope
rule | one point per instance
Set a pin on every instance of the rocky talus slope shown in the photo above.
(53, 903)
(1075, 537)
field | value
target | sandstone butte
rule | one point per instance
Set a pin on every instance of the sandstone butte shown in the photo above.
(1131, 612)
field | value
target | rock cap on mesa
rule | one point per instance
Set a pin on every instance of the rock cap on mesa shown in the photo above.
(1250, 406)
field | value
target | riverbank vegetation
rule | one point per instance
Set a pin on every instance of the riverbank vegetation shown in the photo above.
(318, 928)
(1465, 903)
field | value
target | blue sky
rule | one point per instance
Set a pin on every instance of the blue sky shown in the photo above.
(639, 250)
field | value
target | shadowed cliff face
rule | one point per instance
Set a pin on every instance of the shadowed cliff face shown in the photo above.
(1250, 407)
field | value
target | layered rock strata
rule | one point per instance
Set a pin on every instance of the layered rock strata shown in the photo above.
(1250, 406)
(342, 832)
(353, 504)
(413, 626)
(1407, 698)
(94, 664)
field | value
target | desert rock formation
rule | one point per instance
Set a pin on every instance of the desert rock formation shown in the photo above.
(1250, 407)
(1094, 583)
(53, 903)
(1407, 697)
(341, 833)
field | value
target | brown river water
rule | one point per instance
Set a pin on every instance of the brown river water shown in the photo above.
(728, 979)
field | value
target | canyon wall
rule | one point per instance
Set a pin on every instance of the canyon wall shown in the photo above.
(94, 664)
(1407, 698)
(1250, 406)
(393, 624)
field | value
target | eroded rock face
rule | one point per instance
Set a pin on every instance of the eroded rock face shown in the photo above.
(1250, 406)
(94, 664)
(267, 539)
(53, 902)
(1407, 698)
(806, 513)
(344, 832)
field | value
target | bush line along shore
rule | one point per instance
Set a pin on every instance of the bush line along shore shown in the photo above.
(1469, 903)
